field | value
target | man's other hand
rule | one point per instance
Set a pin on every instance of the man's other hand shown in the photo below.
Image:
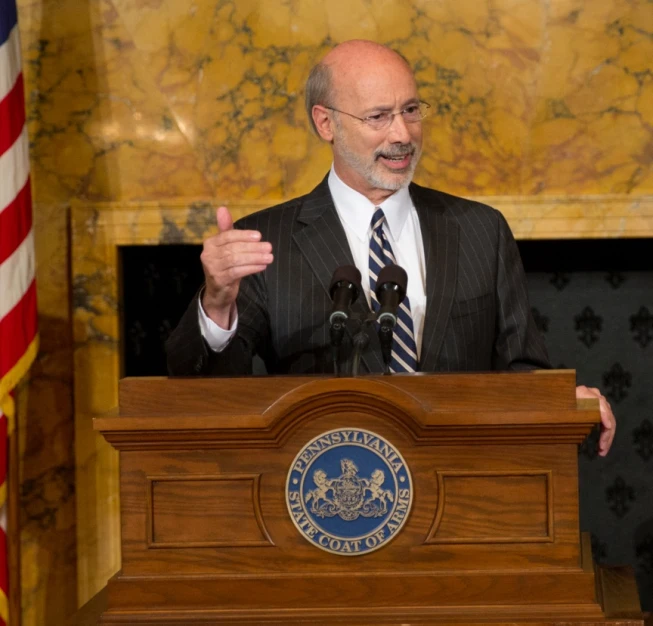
(608, 421)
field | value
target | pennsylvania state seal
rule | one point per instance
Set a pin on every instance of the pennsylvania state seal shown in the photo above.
(349, 491)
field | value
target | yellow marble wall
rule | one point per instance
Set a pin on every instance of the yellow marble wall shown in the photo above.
(141, 112)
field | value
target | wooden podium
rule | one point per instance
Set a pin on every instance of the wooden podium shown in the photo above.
(491, 537)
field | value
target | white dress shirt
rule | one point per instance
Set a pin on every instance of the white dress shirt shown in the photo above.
(355, 211)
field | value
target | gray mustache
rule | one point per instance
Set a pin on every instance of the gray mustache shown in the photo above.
(397, 151)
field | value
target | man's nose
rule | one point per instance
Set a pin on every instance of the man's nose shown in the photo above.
(398, 131)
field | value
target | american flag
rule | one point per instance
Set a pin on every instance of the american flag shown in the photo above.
(18, 333)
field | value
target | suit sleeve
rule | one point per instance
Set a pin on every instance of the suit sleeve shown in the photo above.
(188, 354)
(519, 344)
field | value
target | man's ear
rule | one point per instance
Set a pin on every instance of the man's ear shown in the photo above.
(323, 122)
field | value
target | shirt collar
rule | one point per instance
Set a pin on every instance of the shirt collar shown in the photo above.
(356, 211)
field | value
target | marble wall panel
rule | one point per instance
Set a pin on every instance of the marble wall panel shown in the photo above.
(183, 102)
(193, 98)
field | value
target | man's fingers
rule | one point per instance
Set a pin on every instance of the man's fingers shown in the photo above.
(605, 441)
(233, 248)
(587, 392)
(222, 263)
(228, 255)
(232, 259)
(232, 236)
(608, 421)
(240, 271)
(223, 217)
(608, 427)
(607, 418)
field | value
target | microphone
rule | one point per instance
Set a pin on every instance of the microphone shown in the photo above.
(344, 289)
(390, 292)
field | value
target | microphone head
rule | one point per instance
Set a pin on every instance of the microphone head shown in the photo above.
(392, 275)
(349, 274)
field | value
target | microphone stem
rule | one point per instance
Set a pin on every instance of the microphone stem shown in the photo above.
(337, 333)
(356, 359)
(361, 340)
(386, 337)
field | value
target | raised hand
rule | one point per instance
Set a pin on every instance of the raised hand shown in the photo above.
(226, 258)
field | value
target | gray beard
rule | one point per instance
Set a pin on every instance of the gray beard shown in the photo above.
(389, 183)
(394, 185)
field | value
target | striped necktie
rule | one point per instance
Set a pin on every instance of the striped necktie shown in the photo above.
(404, 350)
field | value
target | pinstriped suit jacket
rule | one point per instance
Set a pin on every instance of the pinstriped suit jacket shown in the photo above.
(477, 318)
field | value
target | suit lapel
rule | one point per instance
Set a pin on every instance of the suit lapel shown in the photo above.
(324, 244)
(441, 240)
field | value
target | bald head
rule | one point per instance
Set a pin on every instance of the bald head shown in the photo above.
(351, 65)
(362, 53)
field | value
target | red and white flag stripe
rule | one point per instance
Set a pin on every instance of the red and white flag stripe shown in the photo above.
(18, 315)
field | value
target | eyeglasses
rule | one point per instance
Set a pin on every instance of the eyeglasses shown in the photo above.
(411, 114)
